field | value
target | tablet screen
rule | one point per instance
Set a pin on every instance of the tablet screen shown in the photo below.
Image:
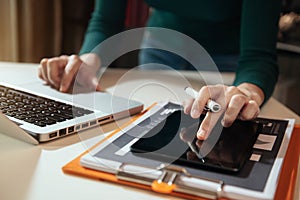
(174, 141)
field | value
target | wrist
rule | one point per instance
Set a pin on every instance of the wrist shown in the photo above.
(91, 59)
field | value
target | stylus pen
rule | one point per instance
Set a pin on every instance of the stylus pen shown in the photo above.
(194, 149)
(210, 106)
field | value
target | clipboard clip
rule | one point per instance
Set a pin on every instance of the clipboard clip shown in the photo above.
(169, 178)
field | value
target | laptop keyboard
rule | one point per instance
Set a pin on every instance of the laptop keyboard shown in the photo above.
(35, 109)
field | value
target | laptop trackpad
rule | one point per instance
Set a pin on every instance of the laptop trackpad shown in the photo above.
(97, 101)
(41, 88)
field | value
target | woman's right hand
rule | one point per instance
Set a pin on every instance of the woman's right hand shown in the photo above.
(64, 72)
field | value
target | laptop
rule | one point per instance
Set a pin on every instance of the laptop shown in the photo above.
(35, 113)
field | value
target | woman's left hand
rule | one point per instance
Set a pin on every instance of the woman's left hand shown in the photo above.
(242, 102)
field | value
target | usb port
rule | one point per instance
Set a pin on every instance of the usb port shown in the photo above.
(71, 129)
(62, 132)
(103, 119)
(52, 135)
(92, 123)
(77, 127)
(85, 125)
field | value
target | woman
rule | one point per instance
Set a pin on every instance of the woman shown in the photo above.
(241, 32)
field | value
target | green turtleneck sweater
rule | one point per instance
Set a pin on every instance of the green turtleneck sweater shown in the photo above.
(246, 27)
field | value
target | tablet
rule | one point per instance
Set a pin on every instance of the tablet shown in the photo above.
(225, 150)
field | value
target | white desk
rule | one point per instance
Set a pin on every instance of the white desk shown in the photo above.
(30, 172)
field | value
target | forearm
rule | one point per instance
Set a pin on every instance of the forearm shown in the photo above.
(261, 74)
(258, 56)
(107, 19)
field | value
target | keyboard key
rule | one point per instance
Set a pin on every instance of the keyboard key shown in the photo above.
(36, 110)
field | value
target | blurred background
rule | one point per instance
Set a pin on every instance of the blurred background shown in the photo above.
(34, 29)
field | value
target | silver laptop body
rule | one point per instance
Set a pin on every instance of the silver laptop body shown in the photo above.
(85, 111)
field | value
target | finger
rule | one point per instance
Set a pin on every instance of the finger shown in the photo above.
(214, 92)
(87, 77)
(250, 111)
(70, 71)
(200, 102)
(187, 105)
(230, 92)
(90, 74)
(64, 57)
(95, 84)
(182, 135)
(218, 93)
(199, 143)
(187, 134)
(207, 125)
(235, 105)
(191, 156)
(42, 70)
(98, 88)
(55, 67)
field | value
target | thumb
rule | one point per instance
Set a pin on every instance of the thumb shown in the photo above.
(95, 84)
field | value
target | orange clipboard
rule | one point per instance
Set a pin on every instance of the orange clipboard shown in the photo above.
(287, 180)
(285, 187)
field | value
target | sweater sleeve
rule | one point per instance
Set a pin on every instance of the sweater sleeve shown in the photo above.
(107, 19)
(258, 59)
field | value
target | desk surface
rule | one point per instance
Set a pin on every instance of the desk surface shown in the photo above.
(34, 172)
